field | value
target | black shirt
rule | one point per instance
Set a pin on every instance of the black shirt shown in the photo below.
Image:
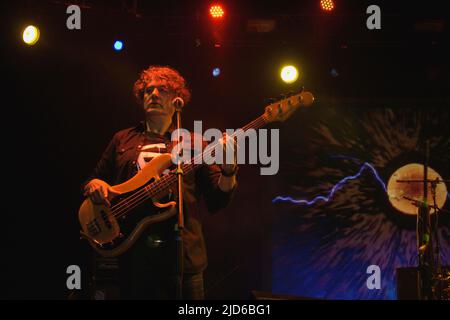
(130, 149)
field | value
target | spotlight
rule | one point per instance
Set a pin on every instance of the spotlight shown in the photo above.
(31, 35)
(216, 72)
(216, 11)
(327, 5)
(118, 45)
(289, 74)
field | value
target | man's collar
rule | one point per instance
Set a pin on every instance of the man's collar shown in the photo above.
(142, 127)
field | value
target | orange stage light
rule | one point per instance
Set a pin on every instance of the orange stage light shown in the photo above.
(216, 11)
(327, 5)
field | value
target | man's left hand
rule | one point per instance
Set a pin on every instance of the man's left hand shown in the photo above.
(229, 145)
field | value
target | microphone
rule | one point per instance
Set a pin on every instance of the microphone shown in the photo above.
(178, 103)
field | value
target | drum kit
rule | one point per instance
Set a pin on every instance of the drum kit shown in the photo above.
(417, 189)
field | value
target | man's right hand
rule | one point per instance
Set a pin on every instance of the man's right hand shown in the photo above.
(99, 191)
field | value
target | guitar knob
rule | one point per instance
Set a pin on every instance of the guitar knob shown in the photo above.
(153, 241)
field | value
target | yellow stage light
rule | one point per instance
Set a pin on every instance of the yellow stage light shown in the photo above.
(31, 35)
(289, 74)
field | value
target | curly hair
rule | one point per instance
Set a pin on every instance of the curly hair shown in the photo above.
(173, 78)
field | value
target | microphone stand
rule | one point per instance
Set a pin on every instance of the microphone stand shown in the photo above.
(179, 227)
(424, 241)
(438, 269)
(423, 234)
(438, 276)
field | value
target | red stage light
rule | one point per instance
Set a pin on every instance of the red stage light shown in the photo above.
(216, 11)
(327, 5)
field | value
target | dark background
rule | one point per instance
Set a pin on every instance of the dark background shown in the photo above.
(64, 98)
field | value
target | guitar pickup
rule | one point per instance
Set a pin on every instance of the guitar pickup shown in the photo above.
(93, 228)
(105, 219)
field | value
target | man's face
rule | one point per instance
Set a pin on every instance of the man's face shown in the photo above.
(157, 100)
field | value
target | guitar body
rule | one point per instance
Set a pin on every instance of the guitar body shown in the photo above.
(112, 230)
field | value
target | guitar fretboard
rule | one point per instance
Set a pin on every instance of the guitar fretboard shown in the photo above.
(160, 187)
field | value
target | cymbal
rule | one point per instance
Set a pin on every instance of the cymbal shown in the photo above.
(398, 190)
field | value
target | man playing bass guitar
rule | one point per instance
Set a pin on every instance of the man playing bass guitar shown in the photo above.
(147, 268)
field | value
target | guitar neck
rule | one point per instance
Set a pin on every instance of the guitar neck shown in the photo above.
(210, 149)
(277, 111)
(195, 162)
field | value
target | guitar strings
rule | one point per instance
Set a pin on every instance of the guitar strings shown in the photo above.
(159, 186)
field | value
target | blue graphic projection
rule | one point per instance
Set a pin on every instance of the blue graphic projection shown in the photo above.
(336, 220)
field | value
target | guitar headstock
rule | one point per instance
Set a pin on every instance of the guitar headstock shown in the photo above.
(284, 108)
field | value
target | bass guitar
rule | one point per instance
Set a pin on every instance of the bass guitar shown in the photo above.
(112, 229)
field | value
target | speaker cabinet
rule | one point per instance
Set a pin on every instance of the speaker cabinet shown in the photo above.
(407, 283)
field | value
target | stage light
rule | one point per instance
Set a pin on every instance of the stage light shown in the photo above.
(31, 35)
(118, 45)
(216, 72)
(289, 74)
(327, 5)
(216, 11)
